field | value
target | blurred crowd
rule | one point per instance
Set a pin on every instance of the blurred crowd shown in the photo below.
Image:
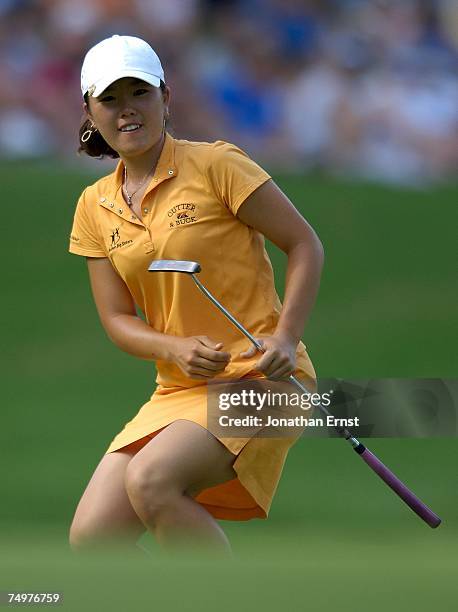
(357, 87)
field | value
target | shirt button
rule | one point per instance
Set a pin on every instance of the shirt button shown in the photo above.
(120, 211)
(103, 199)
(145, 210)
(111, 205)
(170, 172)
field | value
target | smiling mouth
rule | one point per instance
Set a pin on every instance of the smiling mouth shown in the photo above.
(132, 127)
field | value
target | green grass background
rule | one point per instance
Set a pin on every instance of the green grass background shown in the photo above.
(336, 535)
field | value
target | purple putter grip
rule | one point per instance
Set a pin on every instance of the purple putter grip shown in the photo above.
(410, 499)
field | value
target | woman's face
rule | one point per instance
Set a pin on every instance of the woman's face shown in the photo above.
(129, 114)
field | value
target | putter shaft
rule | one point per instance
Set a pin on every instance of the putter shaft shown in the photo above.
(414, 503)
(342, 430)
(421, 509)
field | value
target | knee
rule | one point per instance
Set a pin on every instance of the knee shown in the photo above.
(80, 538)
(86, 534)
(91, 537)
(150, 488)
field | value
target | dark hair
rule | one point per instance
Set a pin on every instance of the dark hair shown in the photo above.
(96, 146)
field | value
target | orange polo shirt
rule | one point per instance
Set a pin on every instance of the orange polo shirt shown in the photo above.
(189, 213)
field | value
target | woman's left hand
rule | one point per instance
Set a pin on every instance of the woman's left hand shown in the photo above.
(279, 358)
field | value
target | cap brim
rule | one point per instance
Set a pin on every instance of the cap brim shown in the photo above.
(100, 87)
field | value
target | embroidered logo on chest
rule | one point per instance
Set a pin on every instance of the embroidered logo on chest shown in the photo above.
(115, 240)
(182, 214)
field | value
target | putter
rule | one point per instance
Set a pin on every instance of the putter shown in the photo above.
(192, 268)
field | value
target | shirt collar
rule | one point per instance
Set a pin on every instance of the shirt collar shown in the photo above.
(165, 169)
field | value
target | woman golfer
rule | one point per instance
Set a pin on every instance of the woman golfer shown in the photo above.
(206, 202)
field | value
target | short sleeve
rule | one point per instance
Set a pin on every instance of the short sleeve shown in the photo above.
(232, 175)
(84, 238)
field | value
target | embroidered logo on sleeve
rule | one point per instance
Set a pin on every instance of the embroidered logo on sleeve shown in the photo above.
(182, 214)
(115, 240)
(74, 238)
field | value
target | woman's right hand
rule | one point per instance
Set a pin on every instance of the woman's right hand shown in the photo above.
(198, 357)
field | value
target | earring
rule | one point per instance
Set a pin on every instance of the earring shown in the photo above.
(88, 133)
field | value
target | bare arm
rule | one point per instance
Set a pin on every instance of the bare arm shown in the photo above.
(271, 213)
(198, 356)
(118, 316)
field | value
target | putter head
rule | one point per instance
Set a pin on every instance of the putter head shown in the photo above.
(174, 265)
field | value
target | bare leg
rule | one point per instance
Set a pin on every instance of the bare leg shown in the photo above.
(104, 514)
(180, 461)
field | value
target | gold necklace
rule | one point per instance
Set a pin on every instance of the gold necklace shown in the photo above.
(131, 195)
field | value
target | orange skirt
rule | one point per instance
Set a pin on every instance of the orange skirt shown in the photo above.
(259, 460)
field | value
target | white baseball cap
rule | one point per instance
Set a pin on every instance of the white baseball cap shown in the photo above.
(118, 57)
